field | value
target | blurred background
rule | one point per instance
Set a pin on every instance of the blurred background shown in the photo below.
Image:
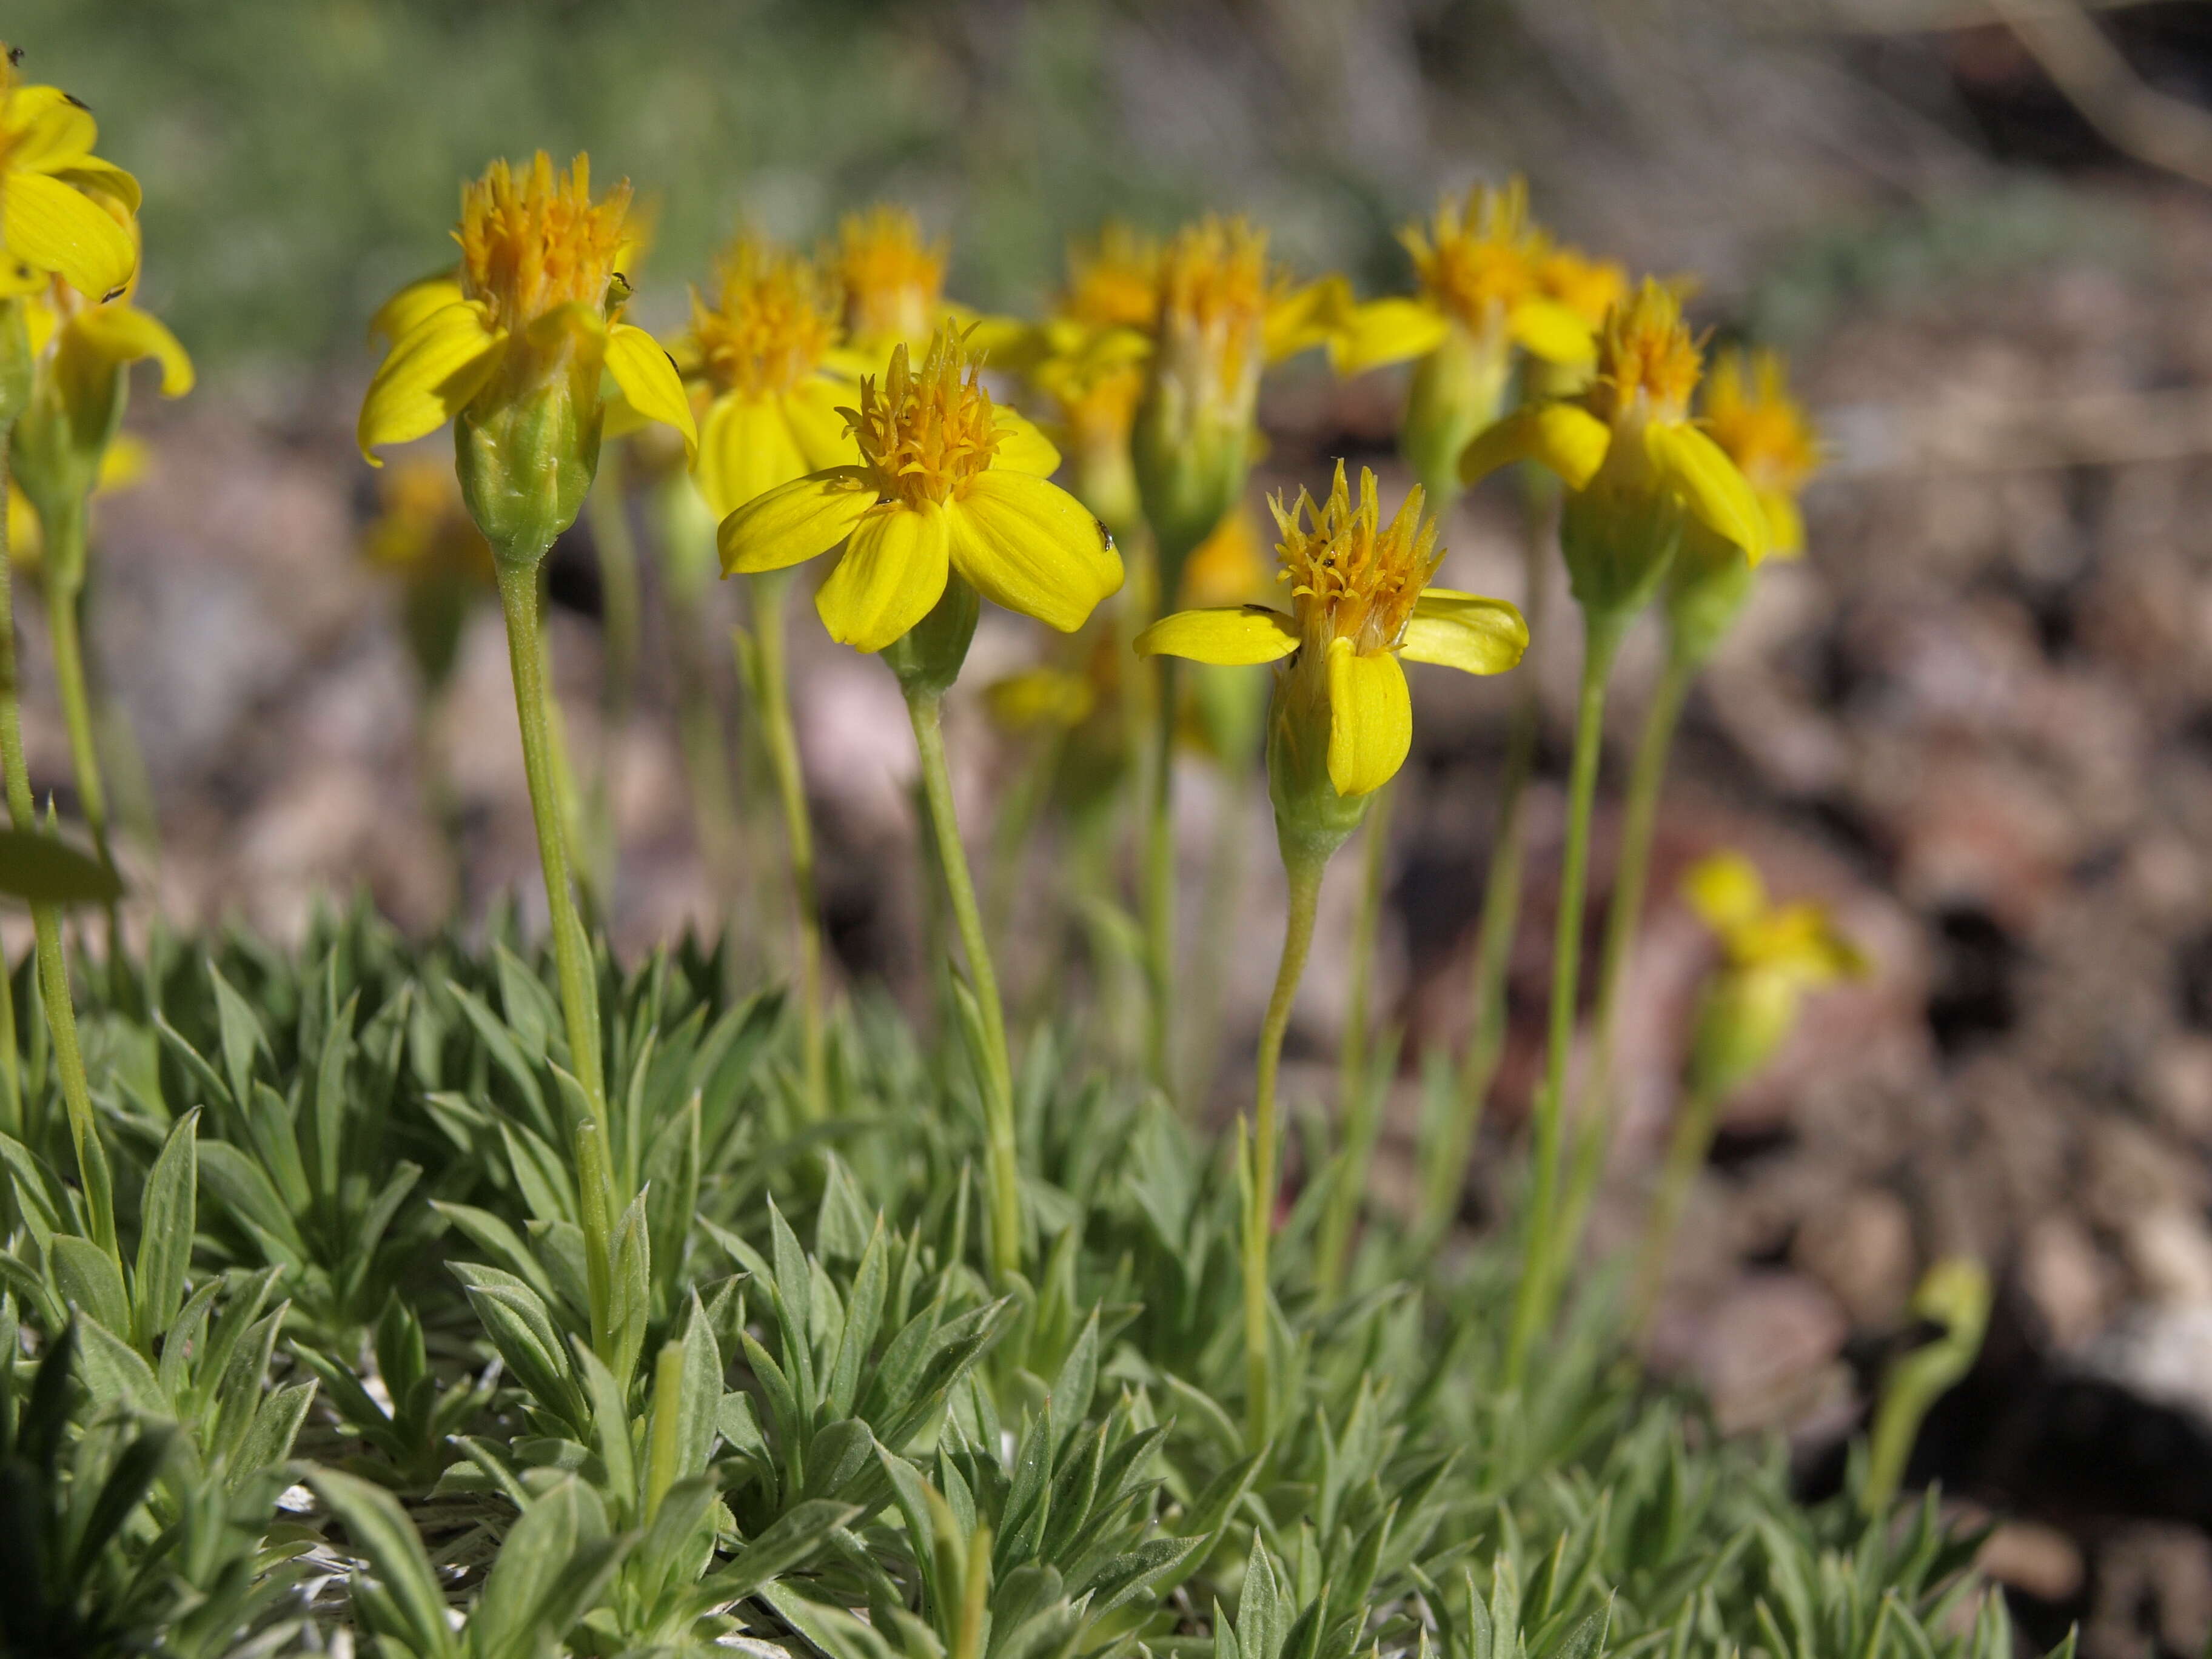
(1976, 719)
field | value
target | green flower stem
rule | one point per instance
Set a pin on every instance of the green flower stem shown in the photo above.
(1356, 1100)
(66, 551)
(780, 738)
(1532, 1306)
(1217, 919)
(1623, 916)
(620, 633)
(1158, 894)
(567, 799)
(572, 949)
(46, 924)
(1001, 1165)
(1693, 1138)
(1019, 812)
(1259, 1174)
(1500, 918)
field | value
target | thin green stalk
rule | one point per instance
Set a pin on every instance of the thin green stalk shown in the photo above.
(1217, 919)
(1532, 1302)
(1693, 1138)
(1019, 813)
(572, 949)
(46, 924)
(1500, 918)
(1356, 1098)
(1624, 917)
(1001, 1164)
(1158, 880)
(568, 797)
(620, 628)
(1259, 1172)
(66, 551)
(772, 704)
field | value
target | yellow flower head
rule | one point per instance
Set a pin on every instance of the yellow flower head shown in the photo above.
(1478, 258)
(762, 348)
(1647, 361)
(1214, 291)
(63, 212)
(943, 481)
(1589, 288)
(1114, 281)
(531, 243)
(893, 279)
(1359, 601)
(1767, 434)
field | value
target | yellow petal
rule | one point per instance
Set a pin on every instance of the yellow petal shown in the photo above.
(397, 317)
(1786, 526)
(428, 377)
(99, 178)
(1725, 891)
(1385, 331)
(1546, 329)
(1303, 317)
(813, 412)
(745, 449)
(55, 227)
(794, 521)
(1022, 447)
(123, 464)
(891, 576)
(122, 334)
(1233, 637)
(1710, 486)
(1371, 719)
(1029, 546)
(1465, 631)
(48, 133)
(649, 380)
(1565, 437)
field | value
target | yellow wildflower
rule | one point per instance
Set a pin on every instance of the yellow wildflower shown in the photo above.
(1224, 314)
(1359, 599)
(54, 218)
(514, 350)
(891, 278)
(761, 349)
(1767, 434)
(1635, 465)
(943, 482)
(1772, 955)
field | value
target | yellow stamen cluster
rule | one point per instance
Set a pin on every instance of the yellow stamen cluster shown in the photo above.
(1766, 432)
(926, 433)
(1589, 288)
(1479, 258)
(1213, 292)
(535, 241)
(892, 278)
(1648, 362)
(1351, 577)
(774, 319)
(1113, 282)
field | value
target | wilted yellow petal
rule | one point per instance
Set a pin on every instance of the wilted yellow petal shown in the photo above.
(1371, 719)
(1385, 331)
(649, 380)
(1465, 631)
(56, 229)
(1710, 486)
(1027, 545)
(1565, 437)
(892, 575)
(122, 334)
(745, 449)
(794, 521)
(1233, 638)
(429, 376)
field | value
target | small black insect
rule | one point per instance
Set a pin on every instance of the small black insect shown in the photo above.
(14, 57)
(1105, 536)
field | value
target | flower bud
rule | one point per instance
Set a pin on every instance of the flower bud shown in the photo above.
(928, 656)
(527, 450)
(1743, 1019)
(1707, 587)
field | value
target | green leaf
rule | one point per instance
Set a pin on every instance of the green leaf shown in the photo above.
(381, 1533)
(789, 1543)
(87, 1277)
(42, 868)
(115, 1372)
(276, 1425)
(167, 1218)
(521, 1328)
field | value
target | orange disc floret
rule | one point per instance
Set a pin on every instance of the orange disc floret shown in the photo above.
(1352, 577)
(1479, 257)
(892, 277)
(1113, 282)
(1213, 292)
(1648, 362)
(926, 433)
(774, 319)
(1589, 288)
(1765, 431)
(534, 241)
